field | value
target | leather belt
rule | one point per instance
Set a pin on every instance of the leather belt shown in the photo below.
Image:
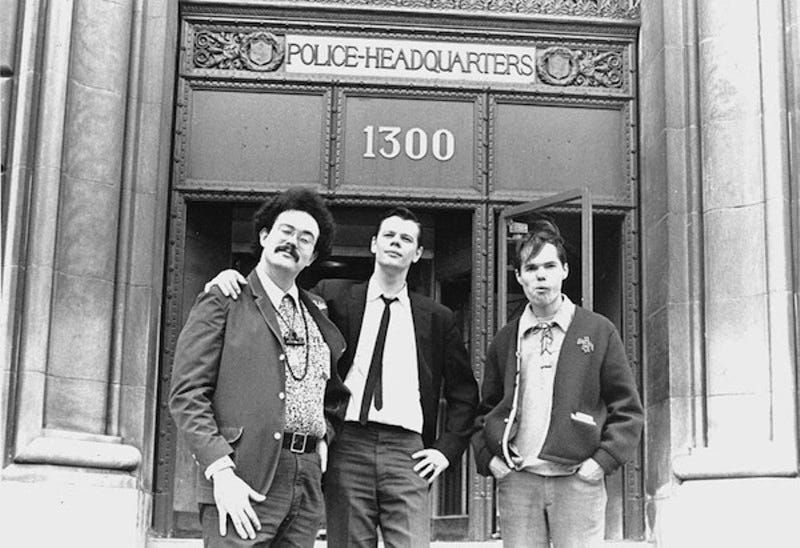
(297, 442)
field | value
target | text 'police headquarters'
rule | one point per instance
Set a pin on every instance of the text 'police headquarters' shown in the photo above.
(410, 59)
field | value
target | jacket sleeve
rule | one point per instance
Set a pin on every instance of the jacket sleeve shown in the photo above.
(491, 395)
(624, 422)
(194, 378)
(460, 393)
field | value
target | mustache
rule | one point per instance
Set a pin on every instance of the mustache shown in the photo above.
(289, 248)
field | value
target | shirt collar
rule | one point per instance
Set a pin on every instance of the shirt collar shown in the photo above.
(274, 292)
(563, 317)
(374, 292)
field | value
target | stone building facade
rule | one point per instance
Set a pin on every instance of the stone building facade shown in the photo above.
(138, 134)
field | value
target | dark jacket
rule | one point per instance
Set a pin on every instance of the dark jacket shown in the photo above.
(592, 378)
(443, 364)
(228, 383)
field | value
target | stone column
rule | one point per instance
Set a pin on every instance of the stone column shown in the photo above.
(747, 264)
(723, 453)
(88, 218)
(90, 162)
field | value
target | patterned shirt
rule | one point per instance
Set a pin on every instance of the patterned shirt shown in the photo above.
(305, 389)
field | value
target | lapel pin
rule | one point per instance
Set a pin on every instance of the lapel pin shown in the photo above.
(586, 344)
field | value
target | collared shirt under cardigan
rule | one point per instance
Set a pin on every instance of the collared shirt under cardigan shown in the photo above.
(400, 375)
(537, 374)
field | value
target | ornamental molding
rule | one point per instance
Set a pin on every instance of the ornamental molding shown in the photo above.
(257, 51)
(562, 66)
(616, 10)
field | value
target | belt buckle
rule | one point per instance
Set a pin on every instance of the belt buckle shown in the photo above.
(299, 441)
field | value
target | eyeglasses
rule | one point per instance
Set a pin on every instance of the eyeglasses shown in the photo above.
(304, 238)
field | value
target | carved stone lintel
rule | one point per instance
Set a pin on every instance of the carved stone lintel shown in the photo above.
(561, 66)
(612, 9)
(603, 9)
(257, 51)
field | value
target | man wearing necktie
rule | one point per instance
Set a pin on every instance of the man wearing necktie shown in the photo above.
(559, 408)
(256, 391)
(403, 350)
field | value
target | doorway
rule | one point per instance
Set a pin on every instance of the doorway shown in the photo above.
(214, 235)
(599, 244)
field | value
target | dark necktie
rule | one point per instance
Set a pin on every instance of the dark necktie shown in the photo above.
(373, 385)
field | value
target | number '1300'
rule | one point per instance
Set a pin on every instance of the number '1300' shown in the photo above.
(414, 143)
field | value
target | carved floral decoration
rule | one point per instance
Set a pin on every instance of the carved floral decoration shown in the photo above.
(560, 66)
(612, 9)
(258, 51)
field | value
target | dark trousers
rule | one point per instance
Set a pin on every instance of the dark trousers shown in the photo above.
(371, 484)
(290, 515)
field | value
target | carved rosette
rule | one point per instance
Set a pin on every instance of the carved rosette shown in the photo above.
(561, 66)
(257, 51)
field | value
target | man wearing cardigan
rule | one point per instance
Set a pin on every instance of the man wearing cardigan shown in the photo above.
(559, 408)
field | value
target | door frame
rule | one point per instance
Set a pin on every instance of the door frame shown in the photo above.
(169, 523)
(630, 478)
(511, 213)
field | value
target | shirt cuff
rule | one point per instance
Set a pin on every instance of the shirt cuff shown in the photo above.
(220, 464)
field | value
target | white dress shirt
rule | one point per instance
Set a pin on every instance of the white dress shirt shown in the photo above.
(400, 378)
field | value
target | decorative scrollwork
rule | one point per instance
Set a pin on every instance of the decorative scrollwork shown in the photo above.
(607, 9)
(257, 51)
(615, 9)
(561, 66)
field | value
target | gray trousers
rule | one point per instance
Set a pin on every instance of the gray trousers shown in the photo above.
(370, 484)
(290, 516)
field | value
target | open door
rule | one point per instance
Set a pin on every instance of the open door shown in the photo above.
(513, 225)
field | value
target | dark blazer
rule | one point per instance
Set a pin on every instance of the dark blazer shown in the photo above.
(592, 380)
(443, 364)
(228, 383)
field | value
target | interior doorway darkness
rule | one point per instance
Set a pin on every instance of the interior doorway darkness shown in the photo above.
(608, 299)
(220, 235)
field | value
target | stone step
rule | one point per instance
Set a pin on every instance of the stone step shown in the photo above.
(197, 543)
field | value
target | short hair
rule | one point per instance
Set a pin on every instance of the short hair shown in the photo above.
(405, 214)
(540, 232)
(298, 199)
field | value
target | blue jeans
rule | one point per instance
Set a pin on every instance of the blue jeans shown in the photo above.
(371, 484)
(291, 514)
(537, 509)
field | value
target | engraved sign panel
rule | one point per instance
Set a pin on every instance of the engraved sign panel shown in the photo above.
(549, 148)
(384, 58)
(399, 144)
(249, 139)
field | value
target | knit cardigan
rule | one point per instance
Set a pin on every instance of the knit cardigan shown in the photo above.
(596, 408)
